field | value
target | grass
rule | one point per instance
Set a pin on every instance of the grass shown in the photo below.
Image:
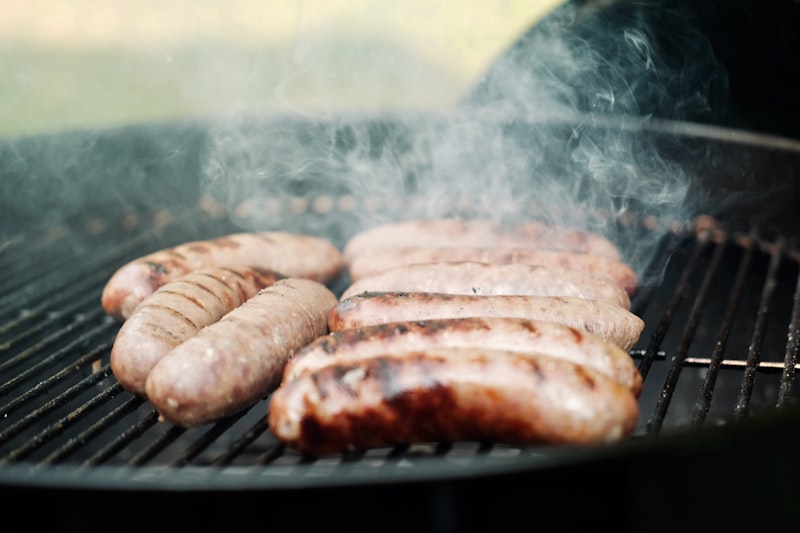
(87, 64)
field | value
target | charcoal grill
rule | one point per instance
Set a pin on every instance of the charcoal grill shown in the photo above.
(716, 442)
(718, 354)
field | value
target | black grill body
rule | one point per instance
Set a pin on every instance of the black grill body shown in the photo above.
(719, 352)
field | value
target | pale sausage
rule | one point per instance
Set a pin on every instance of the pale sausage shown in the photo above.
(468, 277)
(234, 362)
(507, 333)
(609, 321)
(291, 255)
(175, 312)
(451, 394)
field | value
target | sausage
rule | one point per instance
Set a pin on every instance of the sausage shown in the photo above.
(234, 362)
(451, 394)
(506, 333)
(609, 321)
(468, 277)
(175, 312)
(292, 255)
(477, 232)
(370, 263)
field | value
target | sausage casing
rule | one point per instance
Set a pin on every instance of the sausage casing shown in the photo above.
(451, 394)
(467, 277)
(371, 263)
(232, 363)
(175, 312)
(478, 232)
(292, 255)
(506, 333)
(609, 321)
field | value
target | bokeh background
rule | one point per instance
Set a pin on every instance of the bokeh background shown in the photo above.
(88, 64)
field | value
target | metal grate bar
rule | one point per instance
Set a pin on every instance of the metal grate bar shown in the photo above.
(644, 295)
(47, 434)
(754, 355)
(707, 391)
(90, 317)
(666, 318)
(662, 404)
(43, 323)
(48, 361)
(55, 403)
(792, 346)
(208, 438)
(123, 439)
(157, 446)
(256, 430)
(88, 434)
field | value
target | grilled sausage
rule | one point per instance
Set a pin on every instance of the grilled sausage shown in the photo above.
(230, 364)
(506, 333)
(371, 263)
(451, 394)
(489, 279)
(477, 232)
(293, 255)
(175, 312)
(609, 321)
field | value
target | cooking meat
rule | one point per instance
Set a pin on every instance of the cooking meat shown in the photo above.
(451, 394)
(230, 364)
(292, 255)
(506, 333)
(466, 277)
(609, 321)
(175, 312)
(371, 263)
(477, 232)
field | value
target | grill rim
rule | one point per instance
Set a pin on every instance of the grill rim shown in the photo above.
(678, 444)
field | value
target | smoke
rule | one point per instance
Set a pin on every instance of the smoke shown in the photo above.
(560, 128)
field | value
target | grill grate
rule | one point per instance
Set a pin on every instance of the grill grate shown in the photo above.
(720, 345)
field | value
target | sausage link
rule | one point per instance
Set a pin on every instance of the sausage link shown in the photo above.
(175, 312)
(451, 394)
(478, 232)
(506, 333)
(234, 362)
(468, 277)
(292, 255)
(608, 321)
(371, 263)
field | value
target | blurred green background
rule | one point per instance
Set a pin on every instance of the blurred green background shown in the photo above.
(86, 64)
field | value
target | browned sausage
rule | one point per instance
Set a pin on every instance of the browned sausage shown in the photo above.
(370, 263)
(478, 232)
(506, 333)
(230, 364)
(293, 255)
(451, 394)
(609, 321)
(467, 277)
(175, 312)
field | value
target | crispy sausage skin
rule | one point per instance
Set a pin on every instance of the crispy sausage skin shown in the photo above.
(468, 277)
(609, 321)
(506, 333)
(371, 263)
(477, 232)
(293, 255)
(451, 394)
(175, 312)
(234, 362)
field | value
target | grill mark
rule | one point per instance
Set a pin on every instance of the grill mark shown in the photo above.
(198, 303)
(586, 380)
(173, 312)
(159, 331)
(225, 285)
